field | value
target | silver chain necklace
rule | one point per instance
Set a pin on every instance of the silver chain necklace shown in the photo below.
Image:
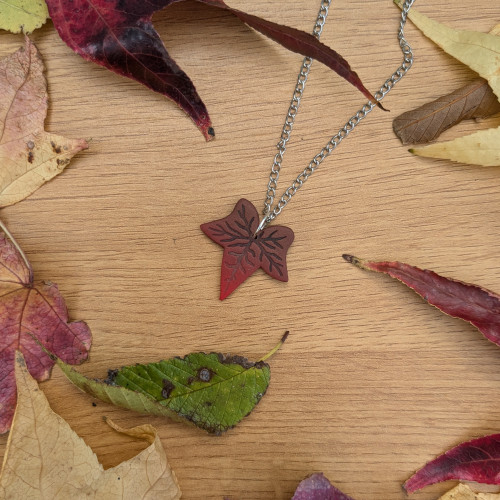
(250, 245)
(271, 213)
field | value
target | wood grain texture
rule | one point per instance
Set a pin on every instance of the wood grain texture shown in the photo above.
(372, 382)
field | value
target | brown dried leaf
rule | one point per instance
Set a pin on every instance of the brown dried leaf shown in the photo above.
(46, 459)
(426, 123)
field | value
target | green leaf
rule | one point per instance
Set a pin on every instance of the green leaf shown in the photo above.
(212, 391)
(22, 15)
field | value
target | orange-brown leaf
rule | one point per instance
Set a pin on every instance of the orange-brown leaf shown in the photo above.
(426, 123)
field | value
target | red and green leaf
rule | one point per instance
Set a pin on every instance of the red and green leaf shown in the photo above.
(119, 35)
(466, 301)
(32, 316)
(245, 251)
(477, 460)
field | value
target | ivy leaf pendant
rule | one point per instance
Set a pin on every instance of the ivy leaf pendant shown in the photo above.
(245, 251)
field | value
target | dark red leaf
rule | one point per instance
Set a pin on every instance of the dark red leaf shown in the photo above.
(244, 253)
(477, 460)
(471, 303)
(32, 316)
(317, 487)
(119, 35)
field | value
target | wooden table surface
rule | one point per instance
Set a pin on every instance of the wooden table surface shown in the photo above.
(372, 382)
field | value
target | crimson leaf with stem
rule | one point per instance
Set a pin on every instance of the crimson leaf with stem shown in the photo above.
(119, 35)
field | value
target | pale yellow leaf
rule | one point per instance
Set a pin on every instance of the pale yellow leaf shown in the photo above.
(22, 15)
(463, 492)
(479, 51)
(45, 459)
(29, 156)
(479, 148)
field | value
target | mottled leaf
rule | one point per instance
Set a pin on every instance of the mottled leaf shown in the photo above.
(477, 460)
(119, 35)
(245, 251)
(472, 303)
(426, 123)
(22, 15)
(29, 156)
(463, 492)
(212, 391)
(32, 317)
(317, 487)
(480, 148)
(46, 459)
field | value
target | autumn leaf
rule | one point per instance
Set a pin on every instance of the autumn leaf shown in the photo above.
(463, 492)
(22, 15)
(317, 487)
(29, 156)
(245, 251)
(480, 148)
(45, 458)
(31, 316)
(120, 36)
(472, 303)
(426, 123)
(476, 460)
(213, 391)
(481, 52)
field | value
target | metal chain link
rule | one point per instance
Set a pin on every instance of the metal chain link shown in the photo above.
(271, 213)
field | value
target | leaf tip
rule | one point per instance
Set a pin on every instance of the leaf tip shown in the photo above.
(350, 258)
(379, 105)
(407, 487)
(209, 133)
(20, 361)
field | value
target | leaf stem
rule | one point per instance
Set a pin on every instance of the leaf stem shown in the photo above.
(3, 227)
(272, 351)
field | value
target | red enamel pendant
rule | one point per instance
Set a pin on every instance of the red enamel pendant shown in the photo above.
(245, 251)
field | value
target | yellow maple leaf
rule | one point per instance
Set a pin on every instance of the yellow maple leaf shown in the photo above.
(45, 458)
(29, 156)
(481, 52)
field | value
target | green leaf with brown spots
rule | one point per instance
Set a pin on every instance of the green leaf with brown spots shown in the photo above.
(213, 391)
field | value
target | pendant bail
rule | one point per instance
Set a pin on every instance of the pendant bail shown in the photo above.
(262, 224)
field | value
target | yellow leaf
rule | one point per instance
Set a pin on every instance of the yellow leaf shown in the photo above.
(479, 148)
(29, 156)
(463, 492)
(479, 51)
(46, 459)
(22, 15)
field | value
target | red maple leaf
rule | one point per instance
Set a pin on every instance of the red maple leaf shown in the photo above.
(245, 251)
(30, 317)
(119, 35)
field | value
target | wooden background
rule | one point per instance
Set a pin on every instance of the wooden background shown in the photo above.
(372, 382)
